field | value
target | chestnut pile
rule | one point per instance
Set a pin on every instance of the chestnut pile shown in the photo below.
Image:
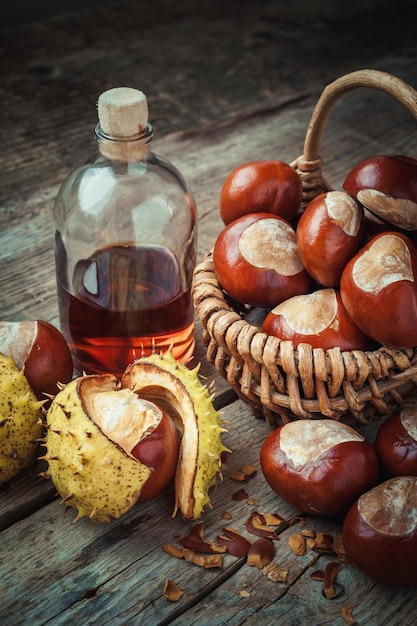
(324, 467)
(343, 273)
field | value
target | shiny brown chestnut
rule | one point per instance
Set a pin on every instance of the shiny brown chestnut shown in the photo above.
(159, 449)
(380, 532)
(329, 233)
(318, 318)
(40, 348)
(261, 187)
(319, 466)
(379, 290)
(387, 186)
(256, 260)
(396, 442)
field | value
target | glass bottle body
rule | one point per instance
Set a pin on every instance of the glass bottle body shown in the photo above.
(125, 246)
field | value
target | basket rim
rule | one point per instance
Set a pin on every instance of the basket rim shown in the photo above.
(273, 374)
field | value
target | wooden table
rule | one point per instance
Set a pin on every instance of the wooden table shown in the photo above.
(225, 86)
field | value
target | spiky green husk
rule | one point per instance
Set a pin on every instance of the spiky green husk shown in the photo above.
(99, 479)
(91, 473)
(162, 379)
(20, 421)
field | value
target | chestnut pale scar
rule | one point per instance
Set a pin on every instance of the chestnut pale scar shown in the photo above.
(391, 508)
(409, 421)
(343, 210)
(303, 445)
(386, 261)
(298, 314)
(271, 244)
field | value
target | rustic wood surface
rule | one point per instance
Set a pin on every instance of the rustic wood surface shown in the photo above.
(225, 85)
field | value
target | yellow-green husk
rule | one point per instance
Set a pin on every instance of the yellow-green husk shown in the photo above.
(90, 472)
(20, 421)
(162, 379)
(97, 477)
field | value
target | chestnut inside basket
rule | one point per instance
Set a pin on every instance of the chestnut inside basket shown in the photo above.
(282, 381)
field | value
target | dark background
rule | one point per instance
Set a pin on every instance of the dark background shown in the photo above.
(201, 65)
(28, 10)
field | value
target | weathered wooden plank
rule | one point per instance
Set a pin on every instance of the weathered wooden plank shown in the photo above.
(27, 278)
(53, 71)
(371, 603)
(24, 495)
(115, 573)
(302, 601)
(225, 87)
(91, 570)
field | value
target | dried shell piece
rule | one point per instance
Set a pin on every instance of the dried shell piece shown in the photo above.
(297, 544)
(261, 553)
(172, 550)
(172, 591)
(275, 573)
(196, 541)
(273, 519)
(324, 543)
(234, 542)
(338, 546)
(310, 542)
(330, 572)
(203, 560)
(243, 593)
(240, 495)
(243, 473)
(256, 525)
(328, 578)
(347, 615)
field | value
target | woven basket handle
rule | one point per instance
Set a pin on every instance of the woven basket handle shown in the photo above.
(374, 79)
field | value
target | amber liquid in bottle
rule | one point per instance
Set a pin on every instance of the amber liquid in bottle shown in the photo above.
(127, 301)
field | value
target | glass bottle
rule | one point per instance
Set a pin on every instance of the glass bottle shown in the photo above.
(125, 245)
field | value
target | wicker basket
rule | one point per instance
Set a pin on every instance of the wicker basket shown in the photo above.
(282, 381)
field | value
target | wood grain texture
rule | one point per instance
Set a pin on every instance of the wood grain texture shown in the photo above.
(226, 85)
(114, 573)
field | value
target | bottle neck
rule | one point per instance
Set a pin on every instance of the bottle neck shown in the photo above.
(126, 149)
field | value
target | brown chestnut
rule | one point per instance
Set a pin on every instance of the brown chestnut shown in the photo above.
(319, 466)
(256, 260)
(379, 290)
(380, 532)
(329, 233)
(261, 187)
(317, 318)
(387, 186)
(40, 348)
(396, 442)
(159, 450)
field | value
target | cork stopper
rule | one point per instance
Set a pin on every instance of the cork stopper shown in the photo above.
(122, 112)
